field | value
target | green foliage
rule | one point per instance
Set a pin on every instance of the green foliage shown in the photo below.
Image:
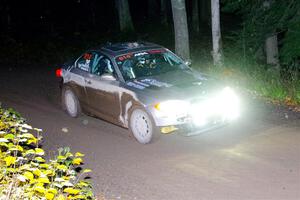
(25, 173)
(291, 43)
(262, 18)
(257, 79)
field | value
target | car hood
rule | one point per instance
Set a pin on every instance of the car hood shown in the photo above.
(179, 84)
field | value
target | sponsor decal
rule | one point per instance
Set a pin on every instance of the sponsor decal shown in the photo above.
(146, 83)
(84, 66)
(135, 85)
(125, 57)
(140, 54)
(141, 83)
(155, 83)
(156, 51)
(87, 56)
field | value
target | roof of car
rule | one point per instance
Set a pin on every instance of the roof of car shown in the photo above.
(127, 47)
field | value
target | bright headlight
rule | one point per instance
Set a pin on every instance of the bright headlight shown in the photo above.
(172, 108)
(224, 104)
(229, 103)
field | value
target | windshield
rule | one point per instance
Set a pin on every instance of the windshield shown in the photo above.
(148, 63)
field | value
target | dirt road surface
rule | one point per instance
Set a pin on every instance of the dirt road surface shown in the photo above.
(257, 157)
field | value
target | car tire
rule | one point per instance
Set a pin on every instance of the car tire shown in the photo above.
(142, 126)
(70, 102)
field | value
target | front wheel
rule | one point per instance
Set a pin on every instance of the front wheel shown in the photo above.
(142, 126)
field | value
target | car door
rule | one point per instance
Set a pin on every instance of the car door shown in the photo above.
(103, 93)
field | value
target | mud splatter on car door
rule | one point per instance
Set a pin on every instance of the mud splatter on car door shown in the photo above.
(103, 103)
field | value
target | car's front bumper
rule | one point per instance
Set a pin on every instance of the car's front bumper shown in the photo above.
(186, 126)
(191, 125)
(186, 120)
(190, 129)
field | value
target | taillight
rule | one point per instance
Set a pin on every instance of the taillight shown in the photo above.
(59, 72)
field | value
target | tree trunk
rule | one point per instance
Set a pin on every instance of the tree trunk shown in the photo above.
(271, 43)
(271, 47)
(216, 32)
(125, 20)
(181, 29)
(195, 16)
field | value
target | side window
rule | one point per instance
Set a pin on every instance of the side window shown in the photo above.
(102, 65)
(95, 65)
(84, 62)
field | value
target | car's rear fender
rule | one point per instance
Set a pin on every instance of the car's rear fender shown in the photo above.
(79, 91)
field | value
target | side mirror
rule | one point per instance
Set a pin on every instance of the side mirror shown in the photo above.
(107, 77)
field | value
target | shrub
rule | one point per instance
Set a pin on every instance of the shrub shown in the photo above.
(25, 173)
(241, 70)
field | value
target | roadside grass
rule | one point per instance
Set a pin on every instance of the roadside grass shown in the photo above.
(25, 172)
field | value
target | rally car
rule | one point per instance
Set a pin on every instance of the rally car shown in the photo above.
(146, 88)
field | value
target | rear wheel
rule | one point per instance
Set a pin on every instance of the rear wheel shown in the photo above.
(70, 102)
(142, 126)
